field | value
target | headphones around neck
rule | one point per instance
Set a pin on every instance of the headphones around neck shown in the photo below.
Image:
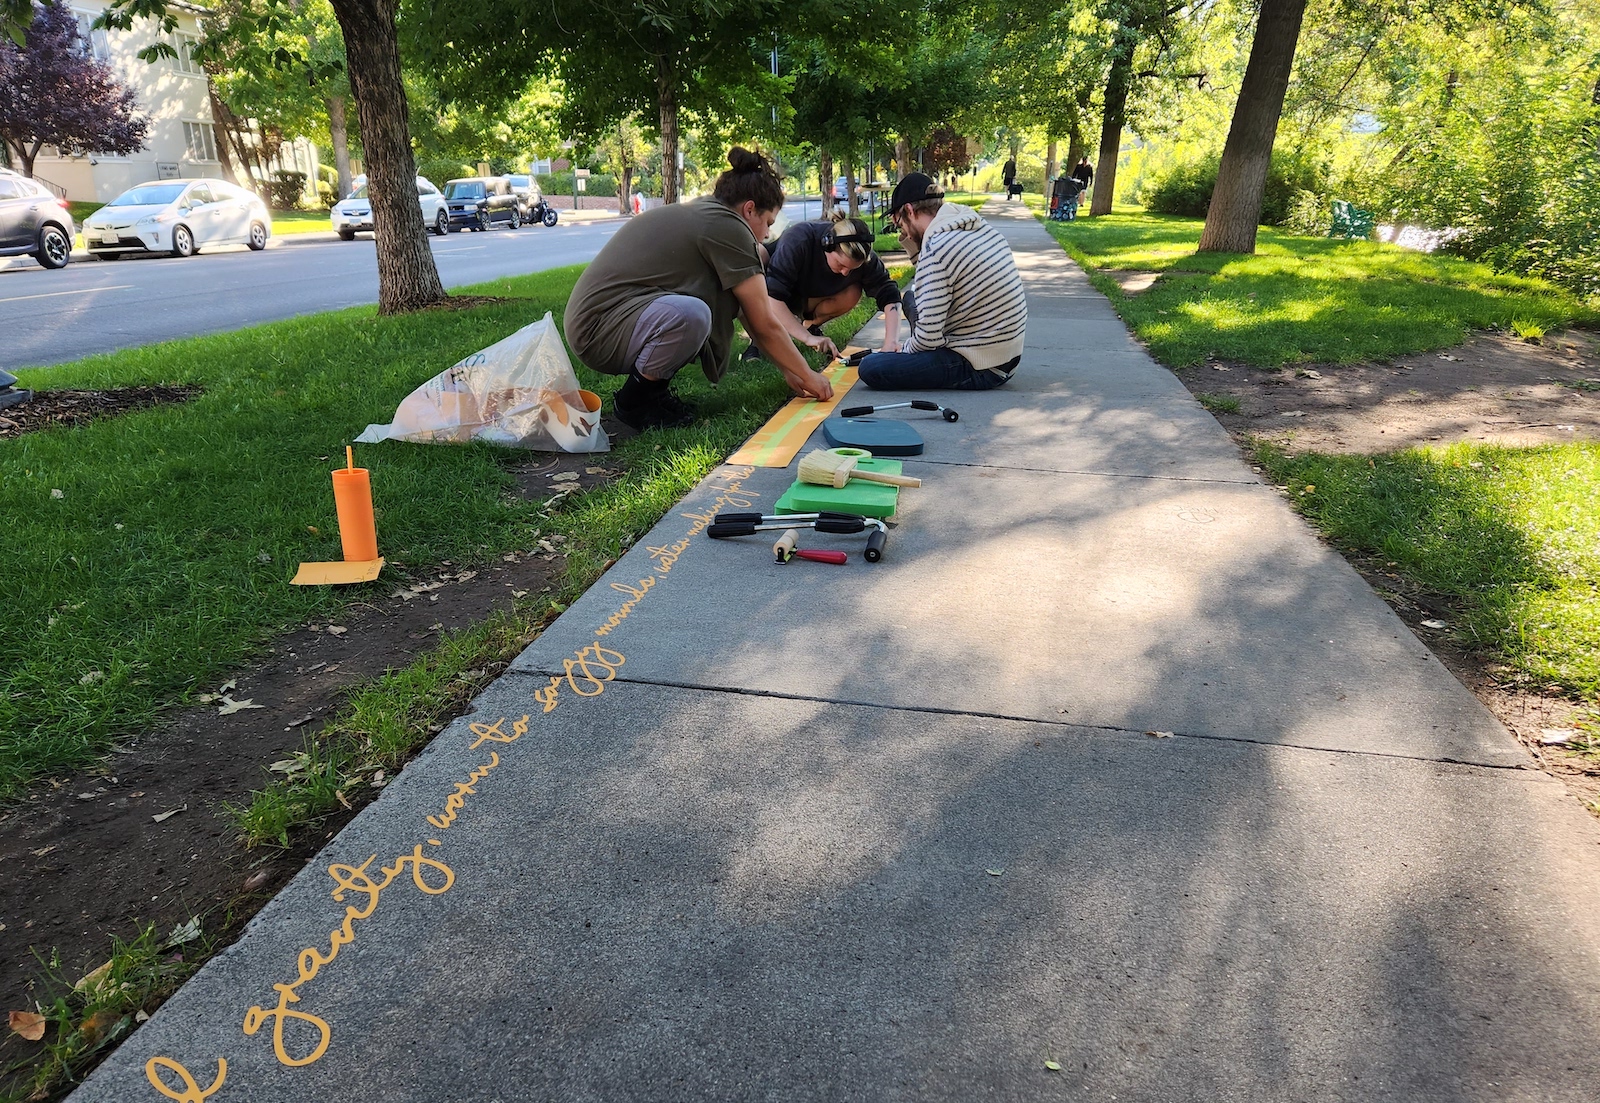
(832, 239)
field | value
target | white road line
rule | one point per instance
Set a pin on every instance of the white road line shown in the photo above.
(53, 294)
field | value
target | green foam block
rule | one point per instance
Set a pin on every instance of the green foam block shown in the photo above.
(856, 496)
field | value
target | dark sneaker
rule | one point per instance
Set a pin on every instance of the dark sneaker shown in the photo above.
(751, 352)
(815, 331)
(644, 410)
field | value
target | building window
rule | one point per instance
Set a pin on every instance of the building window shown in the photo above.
(183, 45)
(94, 41)
(200, 141)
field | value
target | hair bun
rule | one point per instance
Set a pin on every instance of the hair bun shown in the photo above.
(743, 160)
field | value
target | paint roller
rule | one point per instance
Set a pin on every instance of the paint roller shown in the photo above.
(915, 404)
(785, 550)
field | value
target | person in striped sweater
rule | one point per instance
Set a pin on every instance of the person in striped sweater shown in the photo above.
(967, 309)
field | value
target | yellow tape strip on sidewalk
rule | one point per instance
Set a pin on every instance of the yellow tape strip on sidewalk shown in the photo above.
(776, 443)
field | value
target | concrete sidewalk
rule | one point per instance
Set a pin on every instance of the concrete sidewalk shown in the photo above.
(733, 831)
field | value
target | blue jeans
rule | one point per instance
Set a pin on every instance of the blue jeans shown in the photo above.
(939, 370)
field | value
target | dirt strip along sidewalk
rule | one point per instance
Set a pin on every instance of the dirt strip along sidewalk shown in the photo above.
(1109, 781)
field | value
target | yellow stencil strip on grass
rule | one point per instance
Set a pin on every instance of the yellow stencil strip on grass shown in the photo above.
(776, 443)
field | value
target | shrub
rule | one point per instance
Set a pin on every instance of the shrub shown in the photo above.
(285, 189)
(1310, 214)
(327, 194)
(601, 185)
(1186, 188)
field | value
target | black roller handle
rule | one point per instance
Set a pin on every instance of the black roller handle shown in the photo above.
(856, 357)
(857, 411)
(721, 530)
(916, 404)
(839, 524)
(875, 544)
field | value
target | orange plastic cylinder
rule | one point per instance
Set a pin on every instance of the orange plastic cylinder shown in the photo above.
(352, 496)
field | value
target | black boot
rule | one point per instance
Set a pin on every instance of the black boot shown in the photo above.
(642, 404)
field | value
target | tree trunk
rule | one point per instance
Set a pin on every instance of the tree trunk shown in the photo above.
(339, 135)
(825, 180)
(28, 154)
(667, 100)
(850, 187)
(625, 191)
(1242, 176)
(1118, 83)
(902, 156)
(219, 128)
(1049, 165)
(408, 278)
(1075, 147)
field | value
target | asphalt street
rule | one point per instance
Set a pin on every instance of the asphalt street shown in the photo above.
(99, 306)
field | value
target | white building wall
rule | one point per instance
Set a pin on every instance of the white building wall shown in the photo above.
(170, 92)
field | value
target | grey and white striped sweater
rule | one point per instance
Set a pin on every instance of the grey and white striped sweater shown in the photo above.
(969, 296)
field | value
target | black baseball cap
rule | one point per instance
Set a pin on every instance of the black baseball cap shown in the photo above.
(912, 187)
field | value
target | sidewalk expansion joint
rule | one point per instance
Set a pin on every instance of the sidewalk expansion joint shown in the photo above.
(738, 691)
(1077, 471)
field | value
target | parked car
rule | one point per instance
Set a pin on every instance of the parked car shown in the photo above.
(179, 217)
(478, 202)
(33, 221)
(354, 215)
(530, 201)
(841, 189)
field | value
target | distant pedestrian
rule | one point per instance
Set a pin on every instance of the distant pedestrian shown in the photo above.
(1083, 173)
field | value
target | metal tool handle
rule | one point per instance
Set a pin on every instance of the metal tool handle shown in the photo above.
(875, 544)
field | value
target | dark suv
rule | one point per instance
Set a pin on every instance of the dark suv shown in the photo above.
(479, 202)
(33, 221)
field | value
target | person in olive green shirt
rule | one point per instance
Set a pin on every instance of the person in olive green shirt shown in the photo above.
(667, 288)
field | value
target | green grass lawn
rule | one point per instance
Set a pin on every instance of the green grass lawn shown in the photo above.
(1299, 299)
(163, 561)
(1510, 535)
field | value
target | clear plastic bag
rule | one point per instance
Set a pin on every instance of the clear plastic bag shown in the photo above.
(520, 392)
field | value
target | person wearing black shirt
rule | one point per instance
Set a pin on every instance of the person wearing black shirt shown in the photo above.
(819, 271)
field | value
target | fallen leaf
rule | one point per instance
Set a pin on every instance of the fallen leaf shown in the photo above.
(1447, 356)
(163, 817)
(1294, 413)
(337, 629)
(1552, 737)
(141, 1016)
(258, 880)
(1566, 428)
(230, 706)
(424, 587)
(1435, 624)
(1159, 735)
(92, 677)
(27, 1025)
(994, 872)
(466, 576)
(1309, 373)
(92, 978)
(56, 494)
(306, 719)
(231, 683)
(1052, 1066)
(563, 476)
(339, 794)
(263, 557)
(207, 698)
(435, 627)
(42, 851)
(184, 933)
(519, 593)
(1309, 488)
(98, 1025)
(312, 529)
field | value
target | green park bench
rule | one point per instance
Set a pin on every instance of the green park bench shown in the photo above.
(1351, 221)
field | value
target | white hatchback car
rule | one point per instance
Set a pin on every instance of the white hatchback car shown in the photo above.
(179, 217)
(352, 215)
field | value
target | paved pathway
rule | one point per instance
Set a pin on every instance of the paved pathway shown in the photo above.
(733, 831)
